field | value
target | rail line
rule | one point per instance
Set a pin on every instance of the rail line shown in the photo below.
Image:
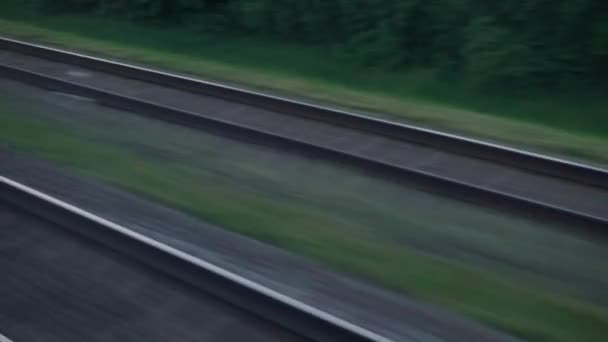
(536, 162)
(288, 313)
(450, 186)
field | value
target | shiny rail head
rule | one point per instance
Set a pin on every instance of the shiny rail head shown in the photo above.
(430, 131)
(5, 339)
(203, 265)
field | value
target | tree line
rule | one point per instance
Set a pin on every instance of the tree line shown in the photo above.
(522, 43)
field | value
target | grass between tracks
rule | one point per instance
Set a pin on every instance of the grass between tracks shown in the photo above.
(572, 124)
(509, 305)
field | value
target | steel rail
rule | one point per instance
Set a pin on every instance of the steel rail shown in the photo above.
(259, 300)
(445, 186)
(535, 162)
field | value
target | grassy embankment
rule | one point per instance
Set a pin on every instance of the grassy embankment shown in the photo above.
(344, 230)
(574, 124)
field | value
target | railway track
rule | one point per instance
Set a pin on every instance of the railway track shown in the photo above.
(71, 275)
(474, 171)
(390, 315)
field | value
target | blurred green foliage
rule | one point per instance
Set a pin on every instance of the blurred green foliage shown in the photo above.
(515, 43)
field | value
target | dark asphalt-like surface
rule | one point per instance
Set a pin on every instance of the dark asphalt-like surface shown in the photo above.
(57, 286)
(556, 192)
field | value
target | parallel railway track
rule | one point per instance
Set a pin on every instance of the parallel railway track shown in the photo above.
(588, 186)
(479, 149)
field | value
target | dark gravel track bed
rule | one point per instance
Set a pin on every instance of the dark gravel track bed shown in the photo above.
(57, 286)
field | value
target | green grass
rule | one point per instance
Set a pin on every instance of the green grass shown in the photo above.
(573, 124)
(255, 199)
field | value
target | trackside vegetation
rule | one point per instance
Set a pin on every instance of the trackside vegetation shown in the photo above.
(523, 43)
(527, 73)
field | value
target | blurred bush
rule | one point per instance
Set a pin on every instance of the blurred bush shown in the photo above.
(532, 43)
